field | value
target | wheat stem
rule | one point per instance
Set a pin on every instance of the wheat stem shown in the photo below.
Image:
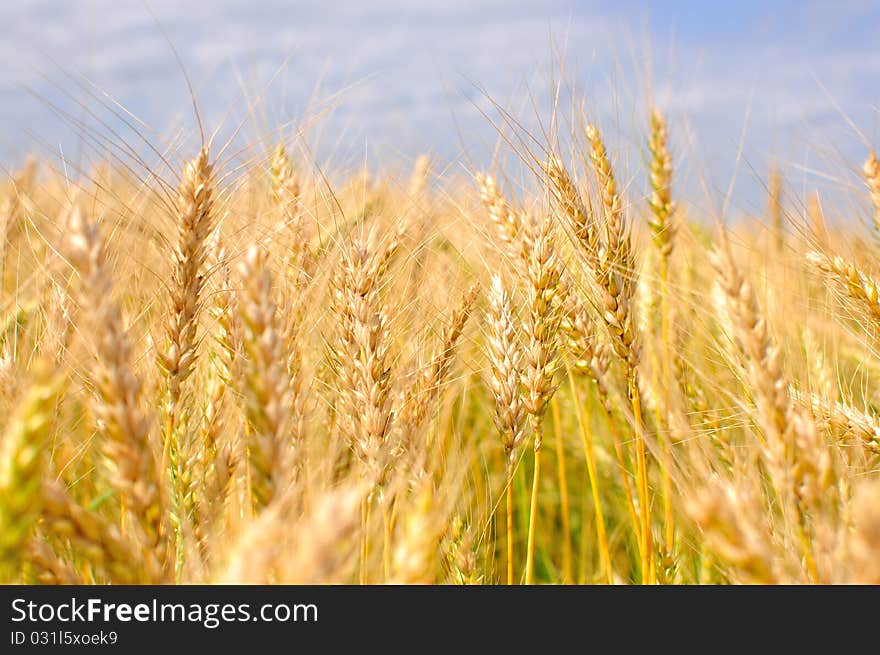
(533, 507)
(563, 490)
(587, 442)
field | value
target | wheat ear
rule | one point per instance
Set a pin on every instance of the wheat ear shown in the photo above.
(22, 462)
(107, 550)
(195, 217)
(461, 556)
(415, 554)
(663, 232)
(660, 201)
(614, 273)
(871, 173)
(118, 403)
(505, 360)
(217, 455)
(433, 376)
(860, 286)
(723, 512)
(541, 329)
(266, 381)
(508, 224)
(47, 568)
(797, 463)
(864, 542)
(360, 354)
(287, 194)
(588, 355)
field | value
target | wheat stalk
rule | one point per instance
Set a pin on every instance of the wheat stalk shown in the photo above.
(195, 219)
(663, 233)
(118, 404)
(660, 201)
(505, 361)
(541, 331)
(797, 463)
(614, 276)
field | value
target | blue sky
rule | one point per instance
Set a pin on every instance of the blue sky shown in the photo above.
(406, 77)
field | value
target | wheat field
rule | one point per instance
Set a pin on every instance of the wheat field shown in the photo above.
(247, 370)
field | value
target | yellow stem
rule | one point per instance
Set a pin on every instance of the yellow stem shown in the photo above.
(666, 479)
(386, 543)
(122, 512)
(582, 549)
(249, 483)
(812, 570)
(166, 446)
(365, 521)
(509, 526)
(647, 558)
(627, 490)
(567, 574)
(604, 551)
(533, 506)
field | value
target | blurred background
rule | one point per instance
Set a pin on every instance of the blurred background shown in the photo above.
(383, 81)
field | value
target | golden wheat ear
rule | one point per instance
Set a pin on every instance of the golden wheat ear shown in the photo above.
(723, 514)
(864, 542)
(415, 554)
(22, 468)
(101, 548)
(361, 351)
(799, 464)
(660, 201)
(871, 173)
(195, 221)
(614, 269)
(858, 285)
(285, 185)
(267, 387)
(117, 403)
(505, 361)
(505, 365)
(508, 226)
(431, 378)
(462, 555)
